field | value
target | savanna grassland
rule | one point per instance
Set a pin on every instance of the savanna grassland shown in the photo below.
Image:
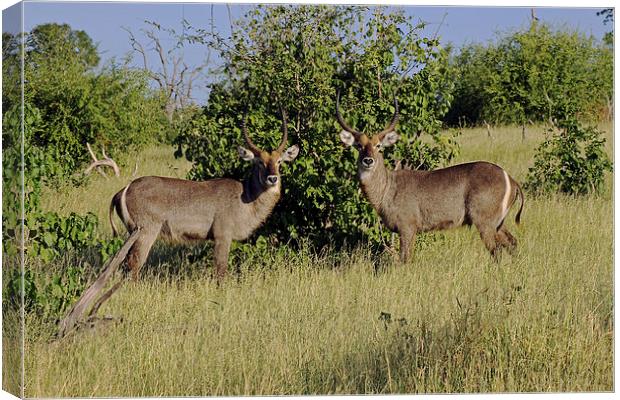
(318, 322)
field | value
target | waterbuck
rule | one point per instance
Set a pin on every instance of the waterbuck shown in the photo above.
(408, 201)
(221, 210)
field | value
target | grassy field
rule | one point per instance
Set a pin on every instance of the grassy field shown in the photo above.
(308, 323)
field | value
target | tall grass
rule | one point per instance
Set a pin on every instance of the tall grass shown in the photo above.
(336, 322)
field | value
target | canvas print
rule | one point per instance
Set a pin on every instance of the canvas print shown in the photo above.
(306, 199)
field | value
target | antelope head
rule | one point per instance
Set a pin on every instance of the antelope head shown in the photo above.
(369, 146)
(267, 164)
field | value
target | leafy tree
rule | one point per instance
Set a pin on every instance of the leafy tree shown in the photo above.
(60, 41)
(77, 103)
(605, 63)
(571, 161)
(534, 75)
(296, 57)
(471, 71)
(11, 71)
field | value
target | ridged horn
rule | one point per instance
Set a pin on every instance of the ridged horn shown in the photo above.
(392, 124)
(284, 130)
(341, 120)
(252, 147)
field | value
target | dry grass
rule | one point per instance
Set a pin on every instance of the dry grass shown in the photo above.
(303, 323)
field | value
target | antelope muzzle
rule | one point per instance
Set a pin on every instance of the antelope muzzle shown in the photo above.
(272, 180)
(368, 162)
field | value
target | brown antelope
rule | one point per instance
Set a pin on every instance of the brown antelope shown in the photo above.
(218, 209)
(408, 201)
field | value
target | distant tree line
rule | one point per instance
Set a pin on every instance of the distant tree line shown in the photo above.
(532, 75)
(71, 100)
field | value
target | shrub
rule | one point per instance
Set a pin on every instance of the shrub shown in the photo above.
(50, 235)
(572, 161)
(45, 294)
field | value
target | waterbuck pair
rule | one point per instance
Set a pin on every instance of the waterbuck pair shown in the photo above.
(408, 202)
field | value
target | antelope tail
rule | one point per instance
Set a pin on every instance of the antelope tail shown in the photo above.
(520, 193)
(113, 206)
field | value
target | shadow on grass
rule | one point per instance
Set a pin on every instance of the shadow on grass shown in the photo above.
(178, 261)
(182, 261)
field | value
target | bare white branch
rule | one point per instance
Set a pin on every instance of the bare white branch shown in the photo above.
(97, 164)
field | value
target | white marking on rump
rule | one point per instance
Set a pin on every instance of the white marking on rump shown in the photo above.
(506, 196)
(124, 211)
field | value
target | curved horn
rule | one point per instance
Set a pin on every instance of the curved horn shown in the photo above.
(341, 121)
(392, 124)
(252, 147)
(284, 130)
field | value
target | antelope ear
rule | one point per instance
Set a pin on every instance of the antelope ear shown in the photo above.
(245, 154)
(389, 139)
(290, 153)
(347, 138)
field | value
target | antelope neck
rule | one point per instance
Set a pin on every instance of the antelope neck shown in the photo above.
(377, 185)
(256, 194)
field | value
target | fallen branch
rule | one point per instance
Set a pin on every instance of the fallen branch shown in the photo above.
(98, 168)
(69, 321)
(105, 161)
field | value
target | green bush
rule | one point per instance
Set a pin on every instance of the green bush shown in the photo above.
(45, 294)
(533, 74)
(572, 161)
(297, 56)
(74, 101)
(50, 235)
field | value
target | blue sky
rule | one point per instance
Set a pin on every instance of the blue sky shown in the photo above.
(104, 21)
